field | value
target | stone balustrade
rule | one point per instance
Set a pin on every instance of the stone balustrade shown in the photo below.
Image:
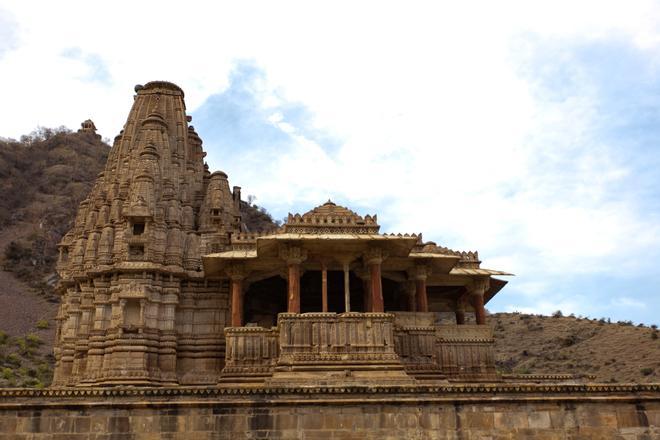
(251, 354)
(329, 337)
(330, 347)
(465, 352)
(326, 347)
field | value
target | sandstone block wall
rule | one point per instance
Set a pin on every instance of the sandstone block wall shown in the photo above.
(194, 414)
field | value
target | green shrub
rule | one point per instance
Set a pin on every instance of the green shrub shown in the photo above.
(31, 382)
(7, 374)
(43, 324)
(14, 360)
(646, 371)
(33, 340)
(3, 338)
(568, 340)
(43, 370)
(22, 345)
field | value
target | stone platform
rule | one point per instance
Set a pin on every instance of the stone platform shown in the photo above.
(476, 411)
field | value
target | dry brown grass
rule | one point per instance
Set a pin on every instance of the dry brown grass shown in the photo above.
(613, 352)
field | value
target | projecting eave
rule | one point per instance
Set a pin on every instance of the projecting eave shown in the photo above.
(439, 263)
(233, 255)
(495, 286)
(214, 264)
(396, 246)
(478, 271)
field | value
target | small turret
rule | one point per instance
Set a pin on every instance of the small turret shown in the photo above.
(88, 127)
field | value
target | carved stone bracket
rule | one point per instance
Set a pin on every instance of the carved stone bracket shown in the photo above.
(374, 255)
(477, 291)
(236, 271)
(292, 254)
(419, 272)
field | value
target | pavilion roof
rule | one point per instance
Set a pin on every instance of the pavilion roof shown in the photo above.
(330, 218)
(330, 229)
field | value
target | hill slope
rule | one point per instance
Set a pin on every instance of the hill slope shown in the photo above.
(44, 177)
(613, 352)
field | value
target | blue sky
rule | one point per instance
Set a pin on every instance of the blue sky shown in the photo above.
(526, 131)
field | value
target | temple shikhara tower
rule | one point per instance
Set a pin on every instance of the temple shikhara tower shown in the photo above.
(162, 283)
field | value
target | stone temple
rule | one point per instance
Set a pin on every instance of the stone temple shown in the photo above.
(177, 322)
(163, 285)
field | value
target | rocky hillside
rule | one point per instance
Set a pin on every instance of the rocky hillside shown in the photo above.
(43, 178)
(612, 352)
(45, 175)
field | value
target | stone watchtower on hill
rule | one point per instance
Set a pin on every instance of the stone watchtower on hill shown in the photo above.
(161, 286)
(88, 126)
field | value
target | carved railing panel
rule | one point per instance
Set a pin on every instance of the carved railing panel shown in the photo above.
(251, 353)
(465, 352)
(416, 347)
(341, 339)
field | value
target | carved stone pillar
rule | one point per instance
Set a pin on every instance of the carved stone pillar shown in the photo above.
(324, 286)
(373, 258)
(294, 256)
(479, 287)
(143, 309)
(460, 311)
(410, 290)
(236, 274)
(419, 274)
(293, 290)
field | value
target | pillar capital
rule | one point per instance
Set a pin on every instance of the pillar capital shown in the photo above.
(324, 262)
(292, 253)
(236, 272)
(479, 286)
(374, 255)
(362, 274)
(419, 272)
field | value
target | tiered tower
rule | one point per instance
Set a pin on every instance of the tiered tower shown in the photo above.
(136, 307)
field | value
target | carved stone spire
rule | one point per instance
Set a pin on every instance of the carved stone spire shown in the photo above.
(140, 225)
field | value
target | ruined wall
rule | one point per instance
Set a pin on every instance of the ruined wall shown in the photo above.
(466, 412)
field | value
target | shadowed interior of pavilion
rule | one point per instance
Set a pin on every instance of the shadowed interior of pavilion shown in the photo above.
(327, 299)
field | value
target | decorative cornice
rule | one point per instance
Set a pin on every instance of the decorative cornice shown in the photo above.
(488, 389)
(330, 218)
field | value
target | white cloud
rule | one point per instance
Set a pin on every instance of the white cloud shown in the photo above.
(627, 303)
(440, 132)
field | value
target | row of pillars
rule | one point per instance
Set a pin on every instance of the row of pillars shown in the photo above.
(373, 288)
